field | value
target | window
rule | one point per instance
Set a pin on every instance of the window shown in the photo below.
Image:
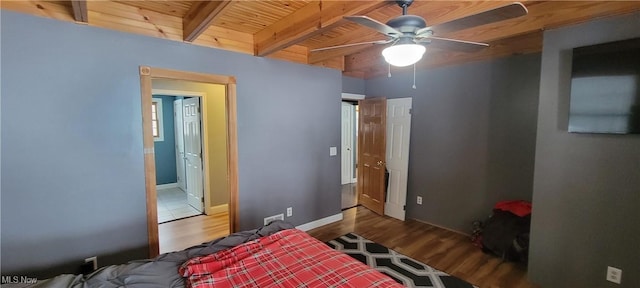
(156, 119)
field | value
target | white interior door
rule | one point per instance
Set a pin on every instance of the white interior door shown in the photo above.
(398, 135)
(354, 162)
(346, 154)
(179, 131)
(193, 152)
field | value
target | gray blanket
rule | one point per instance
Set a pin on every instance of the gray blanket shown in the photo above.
(161, 271)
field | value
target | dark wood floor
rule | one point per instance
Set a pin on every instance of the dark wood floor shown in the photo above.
(439, 248)
(442, 249)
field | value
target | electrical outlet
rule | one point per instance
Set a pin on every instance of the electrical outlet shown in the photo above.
(289, 211)
(419, 200)
(273, 218)
(94, 261)
(614, 275)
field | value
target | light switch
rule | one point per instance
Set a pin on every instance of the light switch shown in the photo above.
(333, 151)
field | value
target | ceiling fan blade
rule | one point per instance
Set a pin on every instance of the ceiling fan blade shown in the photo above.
(453, 44)
(509, 11)
(375, 25)
(352, 44)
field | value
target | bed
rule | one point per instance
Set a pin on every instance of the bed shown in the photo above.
(276, 255)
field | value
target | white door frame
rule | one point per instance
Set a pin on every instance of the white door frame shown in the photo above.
(178, 121)
(354, 151)
(353, 97)
(347, 149)
(397, 155)
(146, 74)
(194, 153)
(397, 190)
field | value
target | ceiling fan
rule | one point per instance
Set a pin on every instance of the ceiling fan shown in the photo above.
(409, 33)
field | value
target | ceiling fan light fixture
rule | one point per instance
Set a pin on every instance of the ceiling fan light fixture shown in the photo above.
(403, 54)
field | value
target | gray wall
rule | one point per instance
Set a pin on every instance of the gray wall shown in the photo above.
(586, 199)
(72, 157)
(473, 132)
(352, 85)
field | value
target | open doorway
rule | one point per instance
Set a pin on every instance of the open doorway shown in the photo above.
(201, 125)
(386, 183)
(214, 154)
(177, 128)
(349, 153)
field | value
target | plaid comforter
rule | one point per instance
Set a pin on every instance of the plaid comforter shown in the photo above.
(289, 258)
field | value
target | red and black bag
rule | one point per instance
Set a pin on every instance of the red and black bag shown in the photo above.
(506, 232)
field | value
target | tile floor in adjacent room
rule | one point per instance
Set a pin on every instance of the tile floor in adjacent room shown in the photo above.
(172, 205)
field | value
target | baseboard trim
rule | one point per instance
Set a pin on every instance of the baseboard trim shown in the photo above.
(167, 186)
(320, 222)
(442, 227)
(218, 209)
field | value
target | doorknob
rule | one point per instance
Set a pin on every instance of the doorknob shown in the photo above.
(380, 163)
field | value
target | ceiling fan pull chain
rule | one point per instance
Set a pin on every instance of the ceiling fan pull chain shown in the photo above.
(389, 73)
(414, 76)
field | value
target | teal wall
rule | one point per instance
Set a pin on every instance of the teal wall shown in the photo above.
(165, 154)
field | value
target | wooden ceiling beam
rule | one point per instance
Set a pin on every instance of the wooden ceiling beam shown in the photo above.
(335, 63)
(200, 16)
(320, 56)
(541, 16)
(80, 12)
(294, 53)
(312, 19)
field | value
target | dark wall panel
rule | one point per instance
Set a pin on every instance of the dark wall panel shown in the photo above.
(586, 194)
(472, 136)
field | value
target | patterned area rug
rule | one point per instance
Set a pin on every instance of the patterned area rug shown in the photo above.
(404, 270)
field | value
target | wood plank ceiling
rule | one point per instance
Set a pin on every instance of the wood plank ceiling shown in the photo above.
(289, 29)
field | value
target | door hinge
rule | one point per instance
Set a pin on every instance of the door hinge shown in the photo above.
(410, 110)
(404, 207)
(202, 199)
